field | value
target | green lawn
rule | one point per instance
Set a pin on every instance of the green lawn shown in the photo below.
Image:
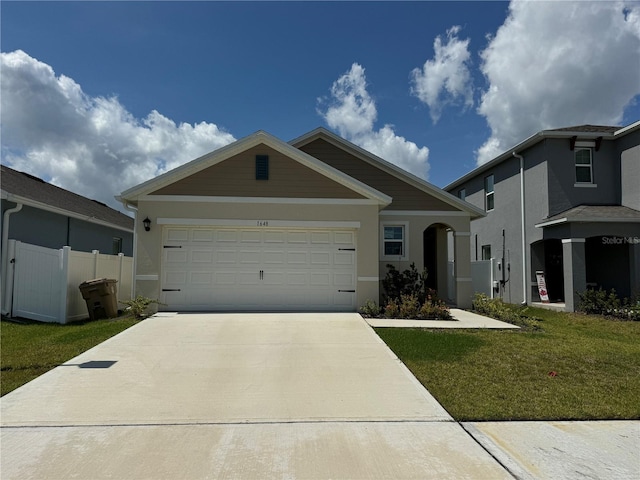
(31, 349)
(507, 375)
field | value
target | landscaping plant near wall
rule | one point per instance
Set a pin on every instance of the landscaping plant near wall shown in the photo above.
(602, 302)
(407, 296)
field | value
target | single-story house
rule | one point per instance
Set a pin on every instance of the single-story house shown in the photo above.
(262, 224)
(43, 214)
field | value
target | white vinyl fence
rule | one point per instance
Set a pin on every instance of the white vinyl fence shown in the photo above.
(45, 281)
(482, 277)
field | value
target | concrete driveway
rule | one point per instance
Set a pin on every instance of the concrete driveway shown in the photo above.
(236, 396)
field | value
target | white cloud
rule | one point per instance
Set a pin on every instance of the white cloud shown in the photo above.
(446, 79)
(352, 112)
(89, 145)
(558, 64)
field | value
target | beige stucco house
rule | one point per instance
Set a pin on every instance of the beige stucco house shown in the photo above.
(262, 224)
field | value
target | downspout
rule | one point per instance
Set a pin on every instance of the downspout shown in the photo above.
(8, 285)
(523, 230)
(135, 243)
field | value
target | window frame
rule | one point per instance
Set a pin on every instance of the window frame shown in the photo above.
(483, 249)
(588, 166)
(489, 196)
(116, 244)
(404, 240)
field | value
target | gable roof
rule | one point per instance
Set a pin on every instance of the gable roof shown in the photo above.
(584, 132)
(388, 167)
(32, 191)
(260, 137)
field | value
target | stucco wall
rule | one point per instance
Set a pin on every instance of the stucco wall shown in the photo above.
(630, 177)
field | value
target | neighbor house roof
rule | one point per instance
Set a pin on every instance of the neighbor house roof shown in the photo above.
(29, 190)
(261, 137)
(584, 132)
(388, 167)
(593, 214)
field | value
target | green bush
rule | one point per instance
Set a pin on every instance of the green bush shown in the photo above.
(602, 302)
(391, 309)
(409, 282)
(370, 309)
(409, 306)
(138, 306)
(496, 308)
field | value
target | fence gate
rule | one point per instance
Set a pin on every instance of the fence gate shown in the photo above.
(37, 291)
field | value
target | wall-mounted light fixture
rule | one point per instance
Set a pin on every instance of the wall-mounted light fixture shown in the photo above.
(147, 224)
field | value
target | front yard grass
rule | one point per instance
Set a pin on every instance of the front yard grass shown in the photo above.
(27, 350)
(576, 367)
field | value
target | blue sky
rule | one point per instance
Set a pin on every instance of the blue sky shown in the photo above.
(123, 91)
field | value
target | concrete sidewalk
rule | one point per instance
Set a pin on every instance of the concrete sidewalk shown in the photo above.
(236, 396)
(461, 319)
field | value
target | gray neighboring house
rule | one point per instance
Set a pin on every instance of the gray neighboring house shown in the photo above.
(39, 213)
(569, 199)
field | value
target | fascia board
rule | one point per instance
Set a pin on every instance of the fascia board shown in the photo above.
(61, 211)
(257, 138)
(628, 129)
(388, 167)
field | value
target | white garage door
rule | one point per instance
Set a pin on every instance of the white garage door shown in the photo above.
(206, 268)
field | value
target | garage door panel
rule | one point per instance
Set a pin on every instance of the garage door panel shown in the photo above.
(226, 256)
(320, 258)
(201, 278)
(176, 256)
(226, 236)
(250, 256)
(177, 234)
(258, 269)
(201, 235)
(202, 256)
(344, 258)
(320, 237)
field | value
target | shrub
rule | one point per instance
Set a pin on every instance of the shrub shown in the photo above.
(409, 306)
(434, 308)
(370, 309)
(138, 306)
(496, 308)
(601, 302)
(408, 282)
(391, 309)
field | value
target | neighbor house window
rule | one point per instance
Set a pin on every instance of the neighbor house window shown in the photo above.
(584, 166)
(488, 191)
(462, 194)
(394, 241)
(262, 167)
(116, 245)
(486, 252)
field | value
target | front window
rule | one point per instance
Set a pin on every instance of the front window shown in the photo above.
(486, 252)
(584, 166)
(116, 245)
(394, 241)
(488, 189)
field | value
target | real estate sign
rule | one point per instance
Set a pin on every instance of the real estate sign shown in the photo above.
(542, 287)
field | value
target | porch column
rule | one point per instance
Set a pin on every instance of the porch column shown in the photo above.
(464, 288)
(575, 271)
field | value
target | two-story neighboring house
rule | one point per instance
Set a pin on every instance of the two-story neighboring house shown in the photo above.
(564, 204)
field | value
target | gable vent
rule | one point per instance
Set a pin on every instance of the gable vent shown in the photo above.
(262, 167)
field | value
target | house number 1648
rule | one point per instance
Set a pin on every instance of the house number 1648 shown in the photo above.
(263, 223)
